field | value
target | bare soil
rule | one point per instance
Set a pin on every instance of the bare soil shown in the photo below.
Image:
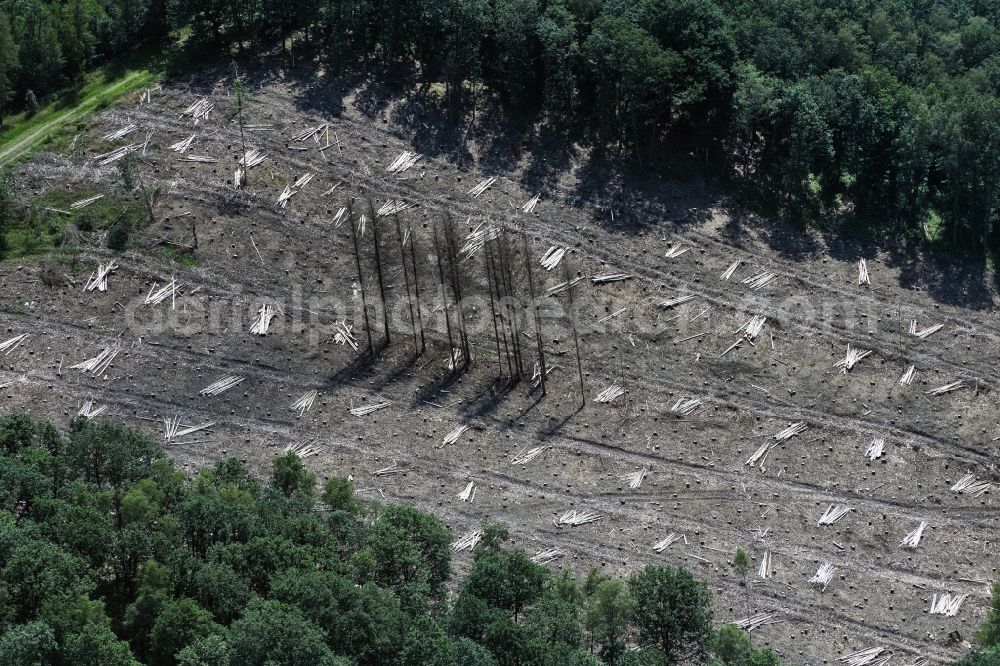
(698, 483)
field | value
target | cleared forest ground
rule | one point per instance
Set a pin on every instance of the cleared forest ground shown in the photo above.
(698, 484)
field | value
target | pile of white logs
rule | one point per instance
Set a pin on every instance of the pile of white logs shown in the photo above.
(7, 346)
(527, 455)
(221, 386)
(756, 621)
(912, 538)
(907, 377)
(678, 300)
(635, 479)
(791, 431)
(393, 207)
(174, 429)
(530, 205)
(262, 322)
(552, 257)
(610, 277)
(344, 335)
(685, 406)
(467, 542)
(99, 364)
(876, 448)
(863, 657)
(947, 604)
(88, 411)
(199, 109)
(404, 161)
(823, 575)
(760, 280)
(83, 203)
(863, 278)
(728, 273)
(482, 186)
(302, 449)
(669, 540)
(305, 403)
(365, 410)
(833, 513)
(546, 556)
(947, 388)
(469, 494)
(157, 296)
(453, 436)
(926, 332)
(970, 485)
(308, 133)
(99, 280)
(108, 158)
(120, 133)
(561, 287)
(478, 238)
(575, 517)
(610, 394)
(847, 363)
(676, 250)
(182, 145)
(765, 565)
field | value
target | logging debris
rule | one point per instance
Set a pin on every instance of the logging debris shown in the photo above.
(467, 542)
(482, 186)
(302, 449)
(365, 410)
(89, 411)
(262, 322)
(863, 278)
(912, 538)
(635, 479)
(469, 494)
(527, 455)
(305, 402)
(610, 394)
(854, 356)
(99, 279)
(669, 540)
(99, 364)
(575, 517)
(404, 161)
(552, 257)
(222, 385)
(823, 575)
(926, 332)
(833, 513)
(7, 346)
(83, 203)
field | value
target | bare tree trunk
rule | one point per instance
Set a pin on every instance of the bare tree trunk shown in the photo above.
(496, 280)
(534, 306)
(444, 297)
(456, 288)
(378, 268)
(493, 307)
(572, 321)
(416, 286)
(361, 279)
(406, 281)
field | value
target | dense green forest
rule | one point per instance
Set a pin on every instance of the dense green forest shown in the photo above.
(111, 556)
(884, 111)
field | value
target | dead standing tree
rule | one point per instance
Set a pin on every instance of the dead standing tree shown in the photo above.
(455, 275)
(361, 278)
(534, 308)
(572, 322)
(376, 245)
(406, 279)
(444, 293)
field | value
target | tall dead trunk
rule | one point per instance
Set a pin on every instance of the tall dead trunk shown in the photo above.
(572, 321)
(406, 281)
(534, 306)
(361, 279)
(416, 286)
(376, 240)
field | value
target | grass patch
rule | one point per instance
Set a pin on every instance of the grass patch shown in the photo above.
(42, 229)
(176, 255)
(58, 121)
